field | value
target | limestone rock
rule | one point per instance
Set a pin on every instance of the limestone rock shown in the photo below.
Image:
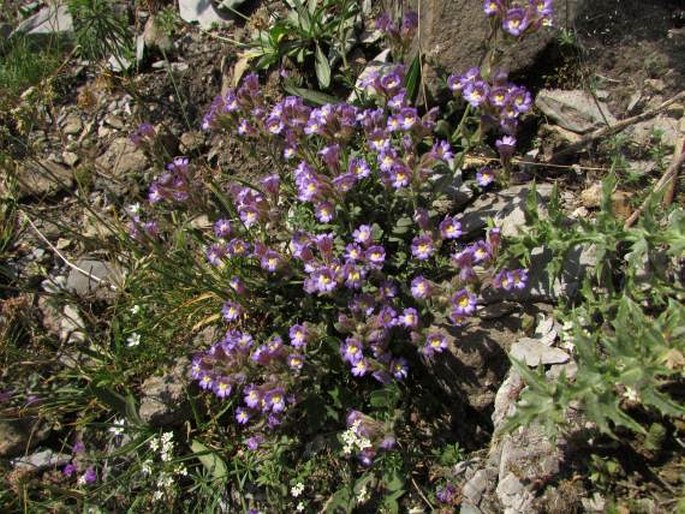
(122, 158)
(41, 460)
(164, 397)
(49, 20)
(43, 178)
(100, 275)
(20, 435)
(577, 111)
(534, 352)
(201, 11)
(506, 208)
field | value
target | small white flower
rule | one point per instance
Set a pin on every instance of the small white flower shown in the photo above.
(133, 209)
(363, 494)
(297, 489)
(300, 507)
(118, 428)
(135, 309)
(146, 467)
(133, 340)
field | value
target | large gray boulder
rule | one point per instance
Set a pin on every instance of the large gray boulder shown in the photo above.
(454, 34)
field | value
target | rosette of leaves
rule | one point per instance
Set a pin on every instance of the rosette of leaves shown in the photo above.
(316, 31)
(100, 31)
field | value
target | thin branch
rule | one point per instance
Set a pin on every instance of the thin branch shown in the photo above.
(665, 179)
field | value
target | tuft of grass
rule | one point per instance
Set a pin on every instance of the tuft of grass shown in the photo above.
(25, 63)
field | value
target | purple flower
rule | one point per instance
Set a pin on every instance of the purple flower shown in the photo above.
(516, 21)
(409, 318)
(442, 150)
(222, 387)
(363, 235)
(237, 285)
(324, 211)
(254, 442)
(492, 7)
(521, 99)
(422, 247)
(298, 336)
(436, 342)
(520, 278)
(295, 361)
(69, 470)
(353, 275)
(387, 317)
(206, 381)
(359, 168)
(398, 101)
(400, 176)
(543, 8)
(360, 368)
(408, 117)
(378, 140)
(231, 311)
(481, 251)
(366, 456)
(503, 280)
(274, 400)
(237, 247)
(215, 253)
(476, 93)
(89, 477)
(352, 350)
(447, 494)
(506, 146)
(222, 228)
(485, 176)
(463, 303)
(345, 182)
(450, 228)
(324, 280)
(421, 288)
(242, 416)
(272, 185)
(399, 368)
(387, 290)
(387, 159)
(252, 397)
(375, 256)
(270, 261)
(331, 156)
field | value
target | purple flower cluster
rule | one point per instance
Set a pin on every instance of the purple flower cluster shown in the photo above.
(399, 34)
(172, 185)
(327, 269)
(501, 102)
(519, 17)
(261, 374)
(510, 280)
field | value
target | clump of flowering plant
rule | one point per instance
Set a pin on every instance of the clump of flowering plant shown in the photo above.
(338, 255)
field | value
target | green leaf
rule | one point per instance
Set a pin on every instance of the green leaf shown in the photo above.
(341, 499)
(210, 460)
(315, 97)
(413, 79)
(323, 69)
